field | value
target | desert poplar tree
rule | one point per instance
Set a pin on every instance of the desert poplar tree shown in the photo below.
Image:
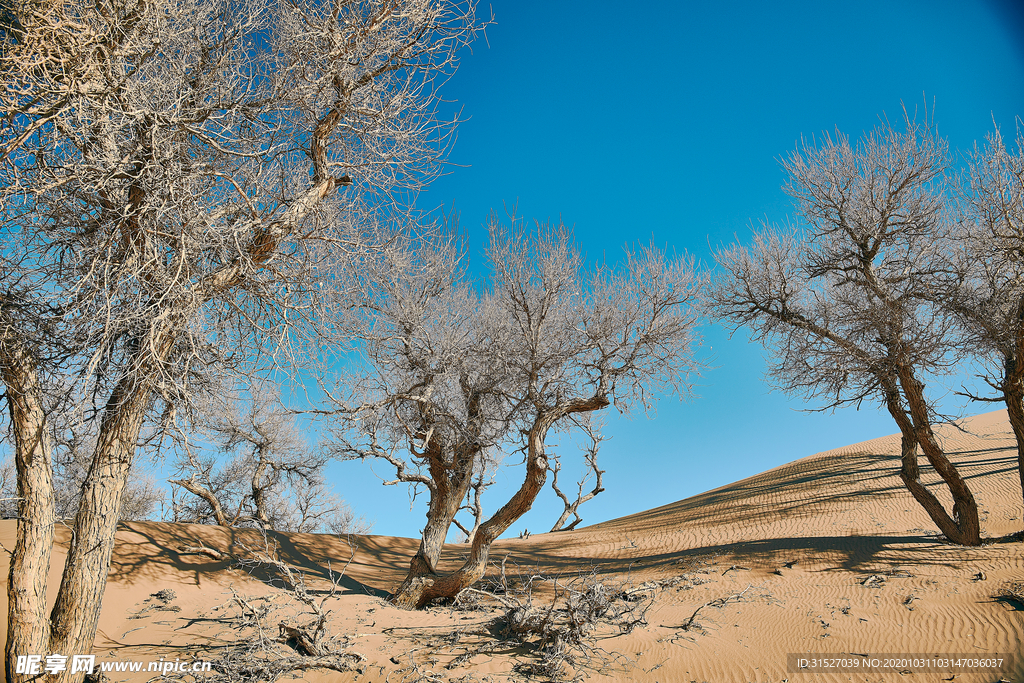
(177, 175)
(843, 303)
(430, 398)
(464, 373)
(984, 287)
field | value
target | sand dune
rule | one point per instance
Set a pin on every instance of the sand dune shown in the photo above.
(828, 555)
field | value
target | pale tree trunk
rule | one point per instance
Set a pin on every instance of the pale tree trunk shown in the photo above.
(477, 487)
(963, 527)
(417, 592)
(259, 489)
(572, 507)
(28, 625)
(76, 612)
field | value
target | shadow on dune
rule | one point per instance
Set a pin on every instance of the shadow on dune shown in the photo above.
(806, 486)
(155, 550)
(753, 519)
(841, 553)
(816, 490)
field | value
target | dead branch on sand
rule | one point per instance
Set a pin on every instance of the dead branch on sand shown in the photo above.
(269, 647)
(1012, 591)
(691, 623)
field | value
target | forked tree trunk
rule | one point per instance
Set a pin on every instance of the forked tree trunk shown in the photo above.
(72, 624)
(449, 486)
(28, 626)
(417, 591)
(964, 526)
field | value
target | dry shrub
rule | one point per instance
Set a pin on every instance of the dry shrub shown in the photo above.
(1012, 591)
(272, 639)
(561, 633)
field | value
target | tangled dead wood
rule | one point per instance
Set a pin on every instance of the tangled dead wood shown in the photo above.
(560, 635)
(265, 650)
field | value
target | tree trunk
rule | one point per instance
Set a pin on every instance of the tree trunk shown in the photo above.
(451, 483)
(28, 626)
(1013, 393)
(964, 526)
(1013, 389)
(417, 592)
(197, 489)
(76, 612)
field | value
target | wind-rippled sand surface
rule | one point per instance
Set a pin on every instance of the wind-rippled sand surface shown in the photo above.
(837, 519)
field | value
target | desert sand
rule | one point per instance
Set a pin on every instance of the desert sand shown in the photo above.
(828, 556)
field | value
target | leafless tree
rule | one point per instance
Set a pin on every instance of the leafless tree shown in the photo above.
(572, 507)
(177, 176)
(141, 498)
(72, 454)
(461, 375)
(8, 491)
(274, 479)
(984, 288)
(427, 401)
(842, 303)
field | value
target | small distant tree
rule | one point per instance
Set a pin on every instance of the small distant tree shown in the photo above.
(273, 479)
(843, 303)
(460, 375)
(984, 288)
(141, 498)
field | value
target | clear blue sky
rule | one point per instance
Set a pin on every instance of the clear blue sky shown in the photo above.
(666, 120)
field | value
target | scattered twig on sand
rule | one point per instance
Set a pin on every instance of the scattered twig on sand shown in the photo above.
(735, 567)
(269, 648)
(1012, 591)
(691, 622)
(159, 601)
(558, 636)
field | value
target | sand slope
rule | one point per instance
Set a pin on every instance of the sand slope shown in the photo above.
(837, 518)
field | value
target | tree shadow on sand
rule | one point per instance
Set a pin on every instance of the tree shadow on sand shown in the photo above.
(155, 550)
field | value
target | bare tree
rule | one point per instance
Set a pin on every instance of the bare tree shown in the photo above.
(141, 498)
(572, 507)
(171, 194)
(429, 400)
(8, 490)
(984, 288)
(842, 304)
(460, 375)
(274, 480)
(71, 453)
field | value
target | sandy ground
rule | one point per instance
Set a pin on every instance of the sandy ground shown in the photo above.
(826, 557)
